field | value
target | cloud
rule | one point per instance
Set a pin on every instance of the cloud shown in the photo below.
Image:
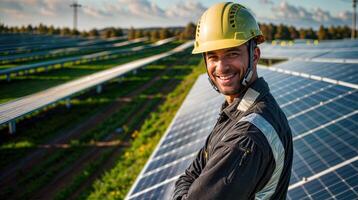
(139, 11)
(287, 11)
(345, 15)
(299, 16)
(183, 11)
(266, 2)
(32, 2)
(187, 10)
(146, 13)
(11, 5)
(96, 12)
(16, 14)
(47, 12)
(141, 8)
(34, 7)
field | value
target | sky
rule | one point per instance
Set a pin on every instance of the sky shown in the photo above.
(168, 13)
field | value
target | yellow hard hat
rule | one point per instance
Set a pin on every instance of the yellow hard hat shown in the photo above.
(225, 25)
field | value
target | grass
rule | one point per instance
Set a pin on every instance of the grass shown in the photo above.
(29, 136)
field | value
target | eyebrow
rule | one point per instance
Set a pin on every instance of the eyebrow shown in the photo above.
(230, 50)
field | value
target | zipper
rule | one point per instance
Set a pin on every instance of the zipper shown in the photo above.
(237, 164)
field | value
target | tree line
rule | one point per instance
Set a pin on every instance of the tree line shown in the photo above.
(283, 32)
(153, 34)
(64, 31)
(270, 31)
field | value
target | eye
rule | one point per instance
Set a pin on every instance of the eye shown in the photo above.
(211, 57)
(233, 54)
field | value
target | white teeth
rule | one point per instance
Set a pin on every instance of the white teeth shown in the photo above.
(226, 77)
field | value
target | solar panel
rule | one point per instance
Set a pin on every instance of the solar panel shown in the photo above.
(323, 117)
(352, 53)
(347, 72)
(181, 142)
(333, 50)
(341, 183)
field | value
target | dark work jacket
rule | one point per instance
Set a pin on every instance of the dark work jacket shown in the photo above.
(241, 158)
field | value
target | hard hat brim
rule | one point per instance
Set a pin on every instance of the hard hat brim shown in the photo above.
(223, 44)
(216, 45)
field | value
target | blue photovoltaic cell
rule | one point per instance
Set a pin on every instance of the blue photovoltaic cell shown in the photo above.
(310, 106)
(330, 186)
(347, 72)
(158, 193)
(343, 54)
(325, 148)
(166, 173)
(331, 50)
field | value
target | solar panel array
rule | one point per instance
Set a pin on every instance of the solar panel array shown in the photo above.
(334, 51)
(346, 72)
(12, 110)
(76, 47)
(323, 116)
(92, 57)
(21, 43)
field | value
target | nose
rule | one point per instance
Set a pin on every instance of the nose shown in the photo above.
(222, 66)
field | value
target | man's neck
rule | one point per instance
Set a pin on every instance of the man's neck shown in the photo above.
(231, 98)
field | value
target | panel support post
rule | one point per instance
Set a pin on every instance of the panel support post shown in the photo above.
(99, 89)
(68, 103)
(12, 127)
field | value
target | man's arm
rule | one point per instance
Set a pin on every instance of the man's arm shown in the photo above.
(240, 166)
(191, 173)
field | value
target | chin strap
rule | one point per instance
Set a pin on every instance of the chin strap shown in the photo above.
(249, 72)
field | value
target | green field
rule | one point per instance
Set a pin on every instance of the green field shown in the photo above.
(100, 135)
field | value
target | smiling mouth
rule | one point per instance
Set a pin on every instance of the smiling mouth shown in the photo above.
(226, 77)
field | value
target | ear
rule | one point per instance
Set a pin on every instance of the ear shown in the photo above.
(257, 54)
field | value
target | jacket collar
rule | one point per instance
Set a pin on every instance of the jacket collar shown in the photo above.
(254, 93)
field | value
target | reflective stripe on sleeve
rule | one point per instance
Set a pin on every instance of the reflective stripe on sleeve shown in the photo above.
(278, 152)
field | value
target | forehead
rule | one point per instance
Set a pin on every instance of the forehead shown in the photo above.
(221, 51)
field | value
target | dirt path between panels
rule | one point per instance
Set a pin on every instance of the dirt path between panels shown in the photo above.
(10, 175)
(66, 176)
(111, 161)
(50, 191)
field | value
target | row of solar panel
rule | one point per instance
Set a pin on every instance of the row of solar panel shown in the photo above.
(299, 44)
(330, 50)
(323, 118)
(347, 72)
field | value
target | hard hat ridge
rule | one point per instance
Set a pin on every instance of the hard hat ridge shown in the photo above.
(225, 25)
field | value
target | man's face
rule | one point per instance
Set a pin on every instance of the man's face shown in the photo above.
(227, 67)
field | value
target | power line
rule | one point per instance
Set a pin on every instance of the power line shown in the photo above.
(75, 5)
(353, 34)
(354, 19)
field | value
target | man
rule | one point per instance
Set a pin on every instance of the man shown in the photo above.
(248, 154)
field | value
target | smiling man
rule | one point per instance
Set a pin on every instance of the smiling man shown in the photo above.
(248, 154)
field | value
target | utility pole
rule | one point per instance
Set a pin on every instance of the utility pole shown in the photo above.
(75, 5)
(354, 19)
